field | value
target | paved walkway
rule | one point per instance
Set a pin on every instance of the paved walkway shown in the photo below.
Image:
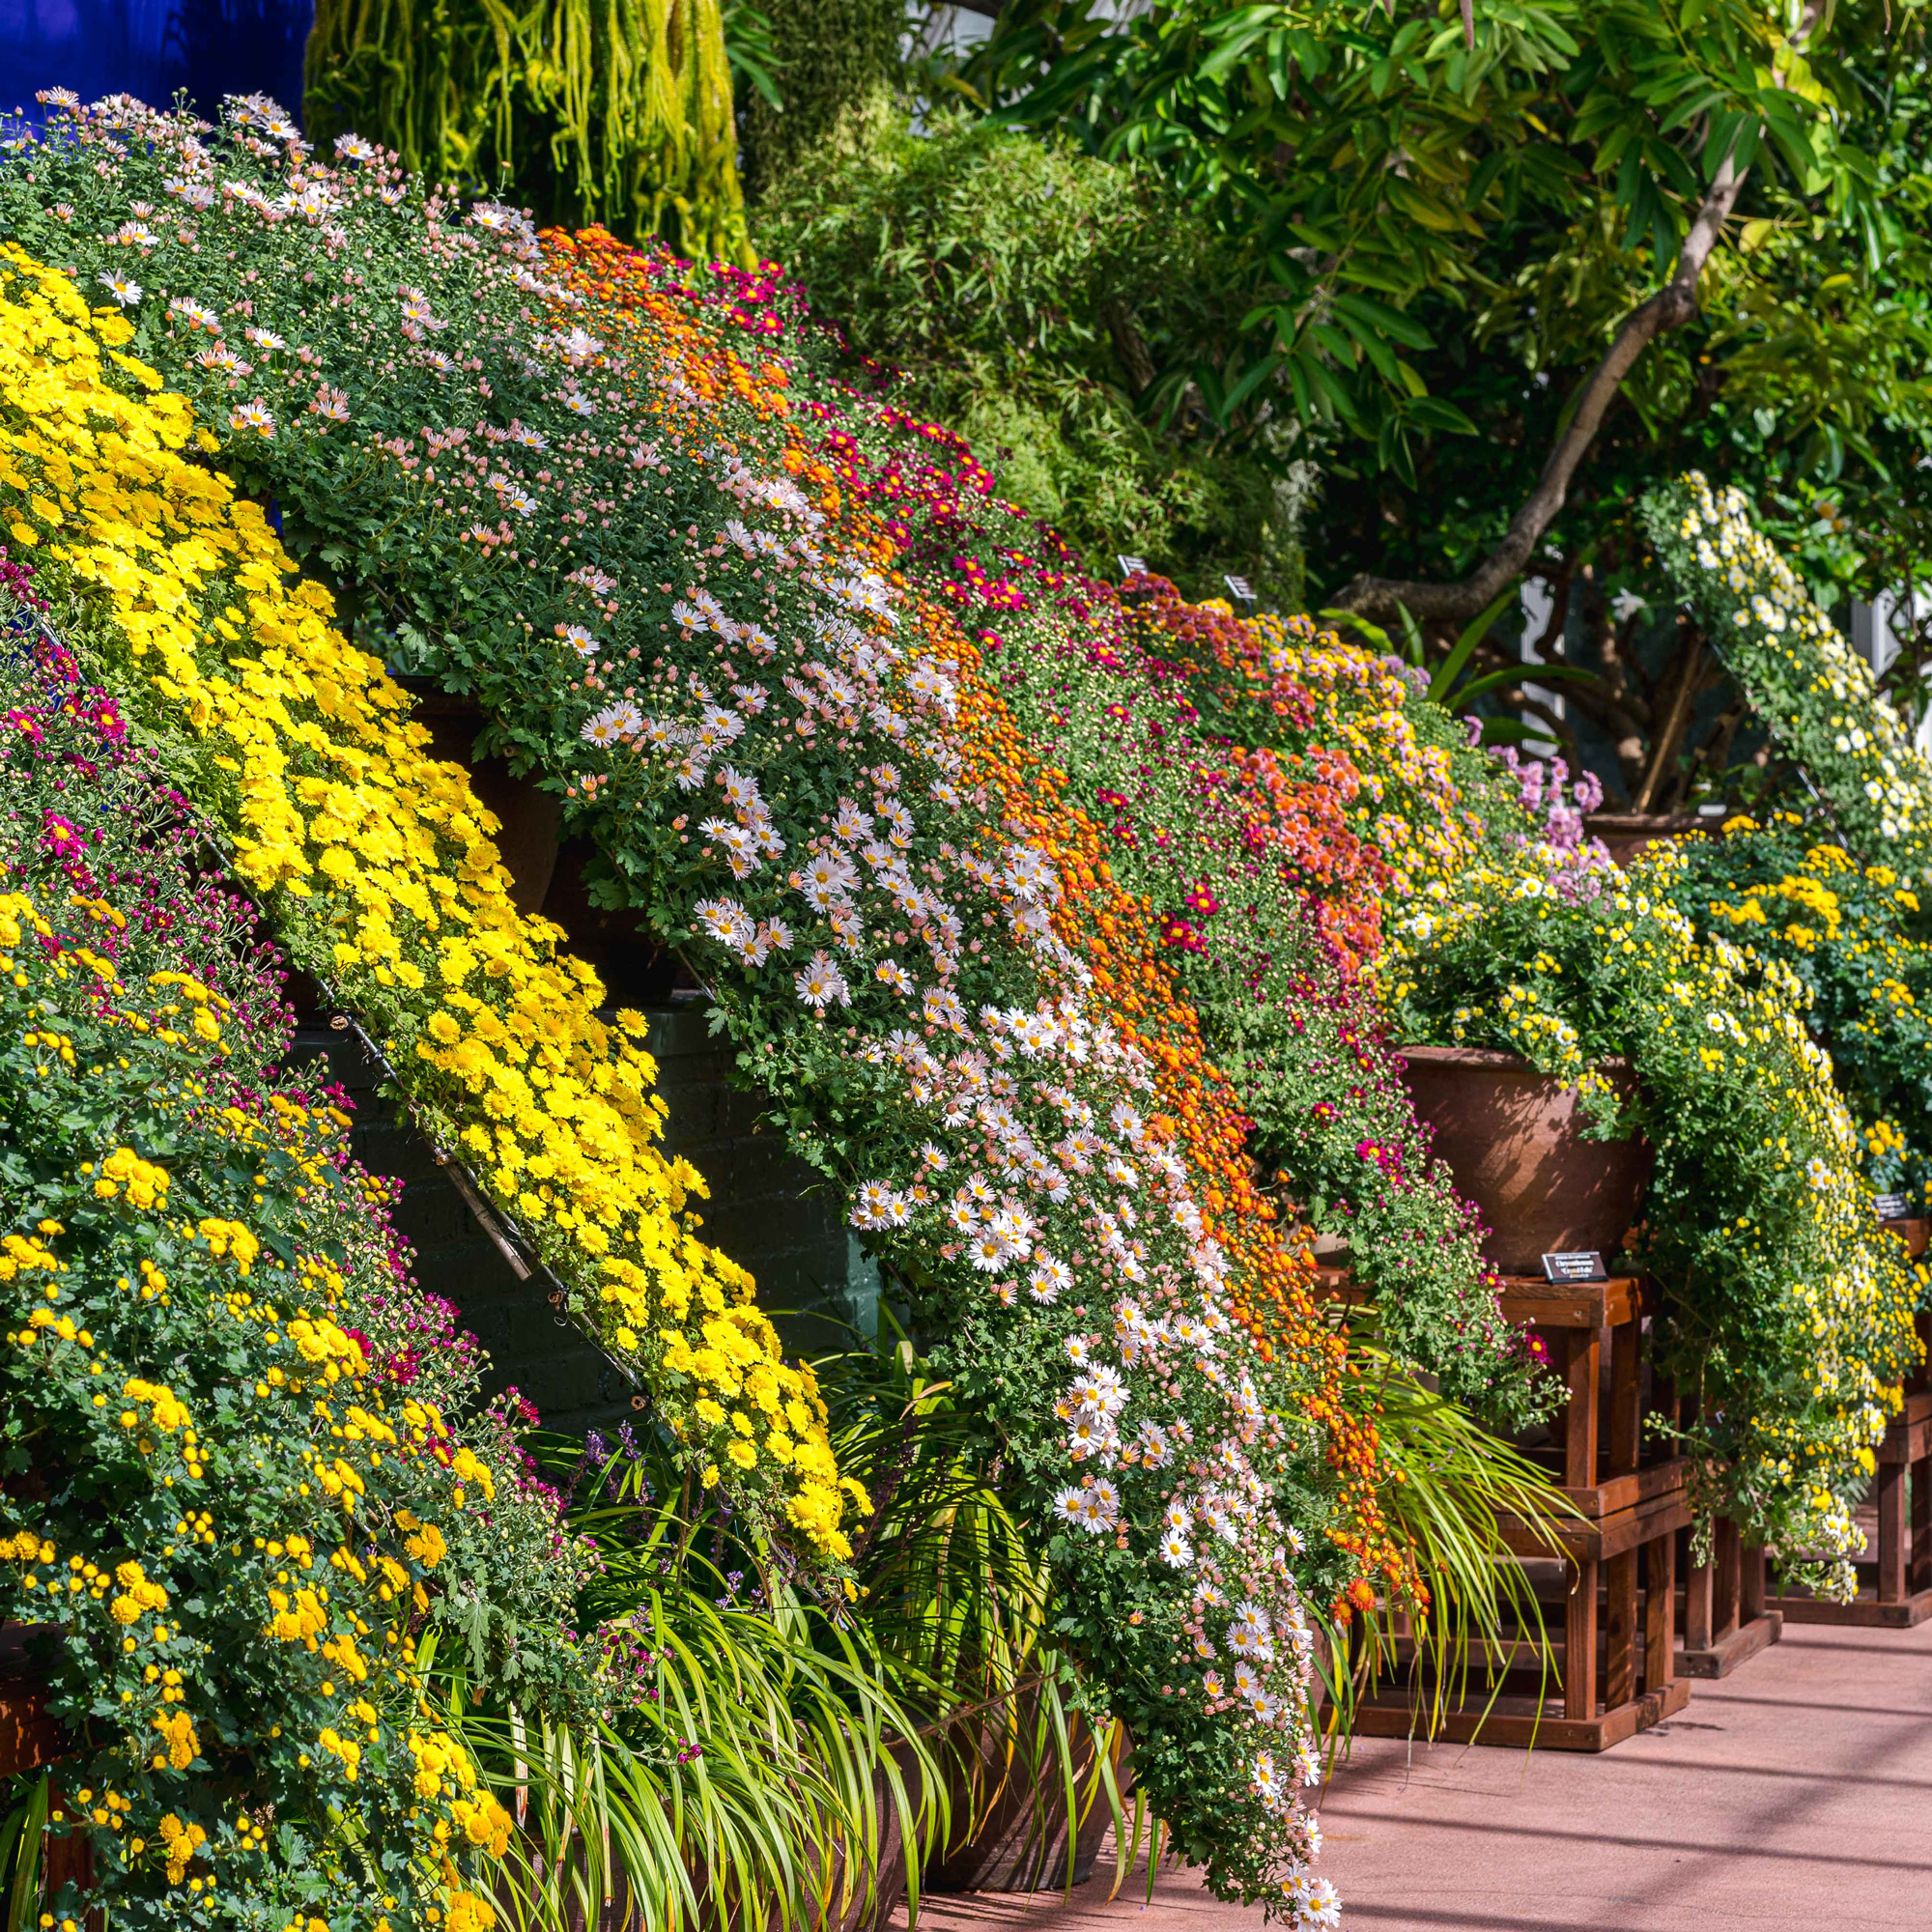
(1794, 1797)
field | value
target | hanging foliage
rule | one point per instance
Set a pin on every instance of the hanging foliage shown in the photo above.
(613, 112)
(829, 59)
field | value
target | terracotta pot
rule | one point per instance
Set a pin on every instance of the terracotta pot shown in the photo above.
(1019, 1840)
(1626, 833)
(1513, 1140)
(530, 819)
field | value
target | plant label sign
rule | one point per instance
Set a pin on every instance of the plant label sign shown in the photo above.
(1239, 589)
(1132, 566)
(1586, 1264)
(1891, 1206)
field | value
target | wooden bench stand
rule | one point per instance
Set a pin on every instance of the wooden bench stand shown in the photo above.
(1615, 1666)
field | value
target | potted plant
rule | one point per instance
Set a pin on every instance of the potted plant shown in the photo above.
(1786, 1311)
(1520, 1145)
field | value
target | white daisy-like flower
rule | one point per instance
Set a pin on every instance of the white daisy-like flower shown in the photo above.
(1050, 1278)
(578, 639)
(821, 984)
(197, 315)
(1321, 1905)
(125, 290)
(354, 148)
(1176, 1552)
(252, 416)
(988, 1250)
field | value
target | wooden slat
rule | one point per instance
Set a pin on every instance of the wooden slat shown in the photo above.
(1580, 1443)
(1890, 1532)
(1575, 1304)
(1626, 1399)
(1918, 1558)
(1699, 1589)
(1660, 1613)
(1518, 1724)
(1579, 1644)
(1726, 1588)
(1620, 1629)
(1621, 1492)
(1750, 1602)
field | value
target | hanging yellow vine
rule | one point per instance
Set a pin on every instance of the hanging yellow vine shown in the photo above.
(611, 111)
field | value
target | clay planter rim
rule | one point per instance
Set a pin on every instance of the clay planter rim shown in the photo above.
(1495, 1056)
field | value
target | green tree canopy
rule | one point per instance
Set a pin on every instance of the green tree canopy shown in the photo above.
(1472, 244)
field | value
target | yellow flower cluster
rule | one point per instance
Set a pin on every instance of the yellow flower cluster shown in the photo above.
(1409, 807)
(377, 864)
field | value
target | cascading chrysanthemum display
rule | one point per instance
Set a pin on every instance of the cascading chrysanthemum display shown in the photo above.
(1816, 697)
(799, 766)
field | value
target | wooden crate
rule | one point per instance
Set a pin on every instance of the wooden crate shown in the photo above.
(1896, 1575)
(1726, 1618)
(1615, 1666)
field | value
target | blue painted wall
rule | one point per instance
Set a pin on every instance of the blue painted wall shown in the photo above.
(151, 48)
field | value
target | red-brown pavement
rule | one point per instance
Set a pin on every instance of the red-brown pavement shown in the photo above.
(1796, 1796)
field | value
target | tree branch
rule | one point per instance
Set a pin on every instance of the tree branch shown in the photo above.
(1673, 305)
(1670, 307)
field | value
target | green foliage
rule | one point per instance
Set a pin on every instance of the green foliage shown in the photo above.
(616, 114)
(1283, 121)
(830, 60)
(767, 1758)
(1029, 296)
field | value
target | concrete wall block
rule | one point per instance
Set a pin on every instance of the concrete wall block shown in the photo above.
(768, 1210)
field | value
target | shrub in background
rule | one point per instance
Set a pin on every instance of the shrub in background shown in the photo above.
(829, 59)
(1019, 289)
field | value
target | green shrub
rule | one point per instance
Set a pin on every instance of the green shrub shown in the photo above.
(1027, 293)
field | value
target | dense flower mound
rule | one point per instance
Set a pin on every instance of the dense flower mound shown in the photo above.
(1788, 1310)
(1816, 697)
(1256, 825)
(1848, 933)
(585, 505)
(238, 1491)
(376, 863)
